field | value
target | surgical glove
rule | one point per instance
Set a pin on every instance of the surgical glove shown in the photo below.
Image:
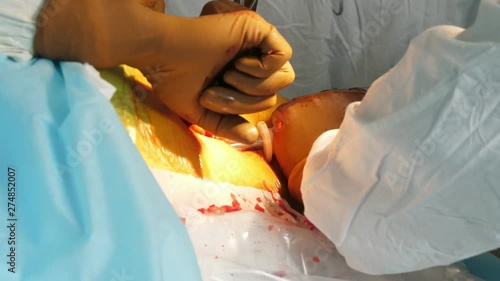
(202, 47)
(179, 56)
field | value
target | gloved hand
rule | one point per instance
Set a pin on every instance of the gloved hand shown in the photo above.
(179, 56)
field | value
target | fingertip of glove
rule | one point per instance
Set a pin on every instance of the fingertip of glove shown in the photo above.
(238, 129)
(246, 133)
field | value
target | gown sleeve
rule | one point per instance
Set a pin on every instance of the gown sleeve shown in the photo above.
(18, 21)
(411, 178)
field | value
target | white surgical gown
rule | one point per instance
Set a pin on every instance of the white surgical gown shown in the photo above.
(411, 179)
(18, 26)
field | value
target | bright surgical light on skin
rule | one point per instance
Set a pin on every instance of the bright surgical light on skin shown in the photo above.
(132, 132)
(244, 235)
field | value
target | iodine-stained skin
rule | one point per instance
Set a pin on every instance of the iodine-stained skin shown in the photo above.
(179, 56)
(166, 142)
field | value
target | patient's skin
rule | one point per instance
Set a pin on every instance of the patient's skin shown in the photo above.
(299, 122)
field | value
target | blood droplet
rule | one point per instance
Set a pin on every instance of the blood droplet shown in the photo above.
(259, 208)
(217, 210)
(315, 259)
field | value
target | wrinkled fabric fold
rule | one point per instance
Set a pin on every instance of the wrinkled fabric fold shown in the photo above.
(87, 206)
(410, 180)
(18, 21)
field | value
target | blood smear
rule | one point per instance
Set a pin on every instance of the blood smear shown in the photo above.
(312, 227)
(199, 130)
(315, 259)
(217, 210)
(279, 273)
(259, 208)
(270, 227)
(286, 210)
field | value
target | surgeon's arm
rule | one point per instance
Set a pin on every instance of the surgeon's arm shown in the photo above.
(102, 33)
(179, 56)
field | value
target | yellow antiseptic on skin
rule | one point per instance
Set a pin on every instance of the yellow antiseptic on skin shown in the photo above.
(165, 141)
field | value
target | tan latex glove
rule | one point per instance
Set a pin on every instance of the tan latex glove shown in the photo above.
(179, 56)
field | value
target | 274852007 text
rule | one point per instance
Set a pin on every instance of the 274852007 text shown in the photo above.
(11, 219)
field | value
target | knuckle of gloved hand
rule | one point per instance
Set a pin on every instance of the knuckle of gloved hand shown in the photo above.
(290, 74)
(235, 79)
(279, 82)
(279, 42)
(265, 89)
(287, 49)
(253, 28)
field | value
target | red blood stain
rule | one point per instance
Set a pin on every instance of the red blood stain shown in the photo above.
(267, 188)
(315, 259)
(231, 51)
(286, 210)
(279, 273)
(259, 200)
(259, 208)
(199, 130)
(183, 220)
(270, 227)
(217, 210)
(310, 224)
